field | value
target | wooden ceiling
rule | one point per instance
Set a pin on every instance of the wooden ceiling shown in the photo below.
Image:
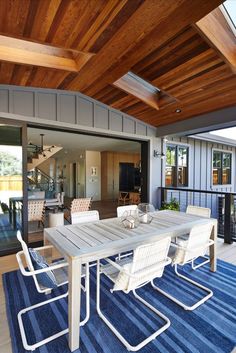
(91, 45)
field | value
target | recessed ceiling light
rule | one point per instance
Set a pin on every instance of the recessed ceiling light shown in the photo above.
(178, 110)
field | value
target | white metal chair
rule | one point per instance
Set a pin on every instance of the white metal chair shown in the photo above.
(85, 216)
(130, 273)
(121, 209)
(57, 271)
(36, 209)
(187, 250)
(201, 212)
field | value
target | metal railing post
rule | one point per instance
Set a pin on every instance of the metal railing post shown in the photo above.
(227, 219)
(162, 196)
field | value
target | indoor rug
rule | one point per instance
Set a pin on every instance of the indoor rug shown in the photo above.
(211, 328)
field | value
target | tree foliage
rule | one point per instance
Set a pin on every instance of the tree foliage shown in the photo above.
(9, 164)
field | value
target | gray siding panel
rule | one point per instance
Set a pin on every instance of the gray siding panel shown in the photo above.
(129, 125)
(101, 119)
(115, 121)
(141, 129)
(71, 108)
(23, 103)
(4, 100)
(47, 106)
(85, 112)
(67, 106)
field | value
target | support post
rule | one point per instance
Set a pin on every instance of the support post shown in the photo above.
(227, 219)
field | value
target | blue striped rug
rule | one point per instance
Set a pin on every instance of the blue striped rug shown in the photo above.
(209, 329)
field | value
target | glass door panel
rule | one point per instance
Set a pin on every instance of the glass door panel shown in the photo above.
(11, 186)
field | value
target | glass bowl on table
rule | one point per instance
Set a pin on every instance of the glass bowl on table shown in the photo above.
(145, 211)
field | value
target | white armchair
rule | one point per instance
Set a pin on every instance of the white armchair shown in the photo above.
(130, 273)
(46, 277)
(188, 250)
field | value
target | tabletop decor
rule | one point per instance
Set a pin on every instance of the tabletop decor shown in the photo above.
(130, 219)
(145, 212)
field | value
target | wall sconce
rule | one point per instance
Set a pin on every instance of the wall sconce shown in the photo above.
(158, 155)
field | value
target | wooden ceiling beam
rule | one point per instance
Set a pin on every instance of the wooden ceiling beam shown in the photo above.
(216, 31)
(30, 53)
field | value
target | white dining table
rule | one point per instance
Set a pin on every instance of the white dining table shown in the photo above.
(87, 242)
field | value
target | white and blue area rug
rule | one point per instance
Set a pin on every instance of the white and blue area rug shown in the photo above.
(209, 329)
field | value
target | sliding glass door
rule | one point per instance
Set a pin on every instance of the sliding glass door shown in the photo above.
(11, 186)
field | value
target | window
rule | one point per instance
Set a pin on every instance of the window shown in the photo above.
(221, 168)
(176, 165)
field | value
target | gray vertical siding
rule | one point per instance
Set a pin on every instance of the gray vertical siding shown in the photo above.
(200, 174)
(71, 108)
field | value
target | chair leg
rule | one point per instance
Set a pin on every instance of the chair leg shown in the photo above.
(116, 332)
(22, 330)
(186, 307)
(194, 267)
(87, 291)
(61, 333)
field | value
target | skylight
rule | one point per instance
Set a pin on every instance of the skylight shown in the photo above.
(229, 10)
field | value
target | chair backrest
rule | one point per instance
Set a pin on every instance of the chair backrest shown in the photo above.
(35, 210)
(121, 209)
(25, 251)
(80, 205)
(149, 261)
(199, 211)
(124, 197)
(196, 244)
(84, 217)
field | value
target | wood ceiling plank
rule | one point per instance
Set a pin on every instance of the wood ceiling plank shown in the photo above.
(46, 78)
(216, 30)
(44, 17)
(188, 69)
(109, 12)
(172, 46)
(124, 102)
(164, 17)
(20, 75)
(199, 82)
(13, 15)
(169, 58)
(91, 9)
(6, 72)
(196, 109)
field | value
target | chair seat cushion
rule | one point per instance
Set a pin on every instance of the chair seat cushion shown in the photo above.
(45, 279)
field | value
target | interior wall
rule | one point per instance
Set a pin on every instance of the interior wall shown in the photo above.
(93, 174)
(110, 171)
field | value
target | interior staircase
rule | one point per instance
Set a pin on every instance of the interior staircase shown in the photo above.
(36, 158)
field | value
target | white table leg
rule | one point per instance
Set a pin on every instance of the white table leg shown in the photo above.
(74, 303)
(213, 248)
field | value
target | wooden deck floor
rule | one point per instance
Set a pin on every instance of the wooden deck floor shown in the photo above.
(226, 252)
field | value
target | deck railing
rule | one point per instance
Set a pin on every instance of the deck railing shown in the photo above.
(222, 205)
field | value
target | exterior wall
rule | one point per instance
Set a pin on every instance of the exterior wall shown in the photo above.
(77, 112)
(74, 108)
(200, 172)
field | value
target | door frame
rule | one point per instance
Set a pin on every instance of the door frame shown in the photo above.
(23, 126)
